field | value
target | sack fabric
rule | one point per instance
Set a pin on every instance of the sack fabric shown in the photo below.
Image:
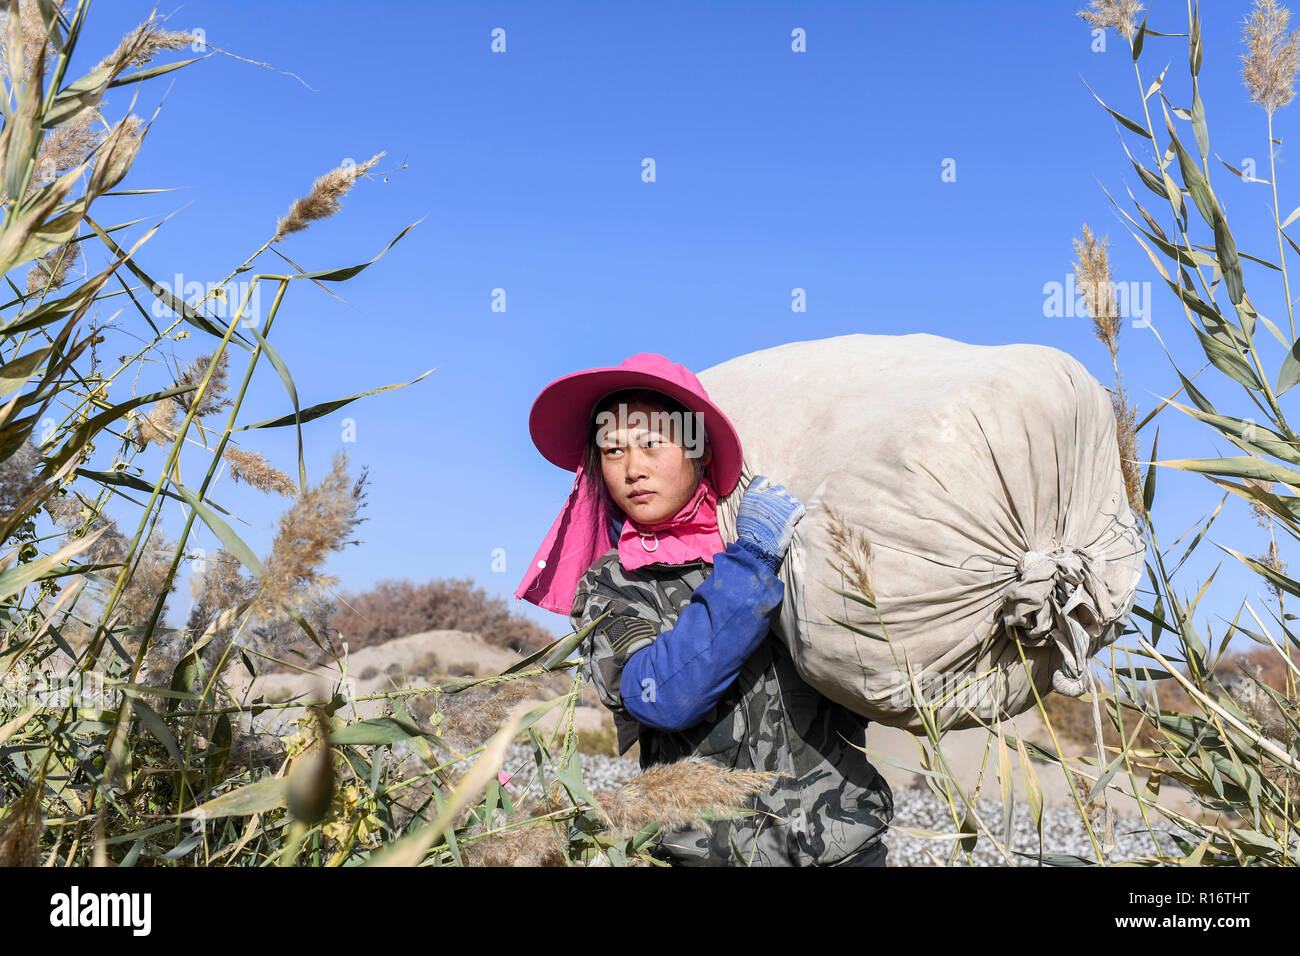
(986, 483)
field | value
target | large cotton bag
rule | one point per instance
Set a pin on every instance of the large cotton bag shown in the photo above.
(986, 483)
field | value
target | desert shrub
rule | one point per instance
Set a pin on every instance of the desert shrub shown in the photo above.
(394, 609)
(427, 665)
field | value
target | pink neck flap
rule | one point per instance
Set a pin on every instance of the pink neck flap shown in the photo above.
(581, 534)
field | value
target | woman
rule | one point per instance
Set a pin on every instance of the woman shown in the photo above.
(684, 660)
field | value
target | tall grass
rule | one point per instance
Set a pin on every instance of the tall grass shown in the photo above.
(124, 741)
(1174, 716)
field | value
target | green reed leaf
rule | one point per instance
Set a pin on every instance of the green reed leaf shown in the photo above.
(260, 797)
(1228, 361)
(1130, 124)
(1198, 123)
(324, 408)
(1194, 41)
(376, 731)
(1149, 486)
(1229, 264)
(1141, 35)
(338, 275)
(231, 541)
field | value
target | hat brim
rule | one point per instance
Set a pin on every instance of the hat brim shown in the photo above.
(561, 416)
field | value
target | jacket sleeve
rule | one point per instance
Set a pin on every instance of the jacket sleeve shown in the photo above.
(632, 624)
(672, 682)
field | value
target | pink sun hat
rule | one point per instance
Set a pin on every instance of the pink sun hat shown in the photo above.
(560, 420)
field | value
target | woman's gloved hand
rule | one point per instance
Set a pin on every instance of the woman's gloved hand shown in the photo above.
(766, 519)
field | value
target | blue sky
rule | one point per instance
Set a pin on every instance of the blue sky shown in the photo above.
(774, 170)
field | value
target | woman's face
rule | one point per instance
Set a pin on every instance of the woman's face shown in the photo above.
(645, 462)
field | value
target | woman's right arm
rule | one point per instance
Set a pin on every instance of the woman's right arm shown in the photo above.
(669, 680)
(673, 682)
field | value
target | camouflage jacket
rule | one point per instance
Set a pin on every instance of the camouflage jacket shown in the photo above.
(829, 806)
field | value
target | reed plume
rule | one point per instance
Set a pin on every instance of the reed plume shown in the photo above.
(1272, 56)
(115, 154)
(1092, 276)
(1118, 15)
(65, 147)
(158, 427)
(676, 794)
(1095, 284)
(536, 844)
(35, 40)
(1126, 438)
(472, 716)
(318, 523)
(20, 830)
(255, 471)
(324, 199)
(853, 550)
(213, 399)
(50, 271)
(142, 44)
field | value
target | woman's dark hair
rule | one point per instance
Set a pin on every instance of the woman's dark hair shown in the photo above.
(648, 396)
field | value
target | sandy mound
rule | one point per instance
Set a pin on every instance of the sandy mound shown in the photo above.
(375, 669)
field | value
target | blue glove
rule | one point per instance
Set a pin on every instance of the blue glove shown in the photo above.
(766, 520)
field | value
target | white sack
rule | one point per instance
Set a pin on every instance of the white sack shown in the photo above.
(987, 482)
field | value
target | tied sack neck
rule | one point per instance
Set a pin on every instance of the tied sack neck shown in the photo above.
(689, 535)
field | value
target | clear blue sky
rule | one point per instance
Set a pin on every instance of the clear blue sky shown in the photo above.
(775, 170)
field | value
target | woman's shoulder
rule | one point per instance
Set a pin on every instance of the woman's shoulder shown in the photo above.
(608, 570)
(651, 591)
(601, 568)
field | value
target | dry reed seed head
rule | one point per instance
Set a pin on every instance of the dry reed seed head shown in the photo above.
(35, 38)
(116, 154)
(324, 198)
(213, 399)
(252, 469)
(1272, 56)
(1118, 15)
(853, 550)
(220, 584)
(158, 427)
(144, 43)
(20, 830)
(318, 522)
(676, 794)
(1092, 276)
(1247, 693)
(1272, 560)
(148, 580)
(111, 547)
(1126, 439)
(66, 147)
(50, 271)
(66, 511)
(472, 716)
(18, 475)
(537, 844)
(1263, 517)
